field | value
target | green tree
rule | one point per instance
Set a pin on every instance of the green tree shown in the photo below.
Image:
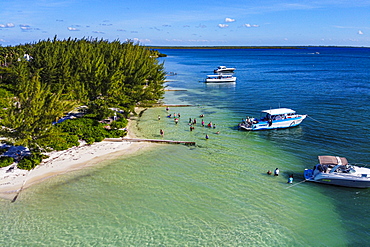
(31, 113)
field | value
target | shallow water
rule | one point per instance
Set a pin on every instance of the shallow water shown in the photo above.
(218, 193)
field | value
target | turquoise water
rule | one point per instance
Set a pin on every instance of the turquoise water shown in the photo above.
(217, 193)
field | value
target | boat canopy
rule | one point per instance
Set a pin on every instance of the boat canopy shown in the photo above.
(279, 111)
(332, 160)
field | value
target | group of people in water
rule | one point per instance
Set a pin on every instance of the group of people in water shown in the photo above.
(277, 172)
(192, 122)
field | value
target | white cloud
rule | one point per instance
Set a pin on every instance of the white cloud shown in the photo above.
(2, 40)
(222, 25)
(360, 32)
(98, 32)
(25, 27)
(229, 20)
(73, 29)
(250, 25)
(7, 25)
(142, 40)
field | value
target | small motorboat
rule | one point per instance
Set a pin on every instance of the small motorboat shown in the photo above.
(279, 118)
(220, 78)
(224, 69)
(335, 170)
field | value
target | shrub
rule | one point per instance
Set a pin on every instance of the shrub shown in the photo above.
(3, 150)
(29, 162)
(89, 130)
(6, 161)
(116, 133)
(119, 124)
(58, 141)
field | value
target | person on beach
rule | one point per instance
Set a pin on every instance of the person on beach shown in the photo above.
(161, 132)
(276, 172)
(290, 179)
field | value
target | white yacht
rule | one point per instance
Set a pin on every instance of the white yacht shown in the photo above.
(220, 78)
(273, 119)
(335, 170)
(223, 69)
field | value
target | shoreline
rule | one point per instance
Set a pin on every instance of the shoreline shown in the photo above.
(61, 162)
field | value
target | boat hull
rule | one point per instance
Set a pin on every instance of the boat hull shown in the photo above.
(220, 80)
(279, 124)
(324, 178)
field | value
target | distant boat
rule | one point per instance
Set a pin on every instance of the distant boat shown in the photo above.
(273, 119)
(223, 69)
(220, 78)
(335, 170)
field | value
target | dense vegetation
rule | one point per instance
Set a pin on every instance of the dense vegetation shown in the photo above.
(41, 82)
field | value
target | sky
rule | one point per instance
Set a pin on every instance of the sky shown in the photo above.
(189, 23)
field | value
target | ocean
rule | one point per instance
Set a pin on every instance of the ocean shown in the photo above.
(217, 193)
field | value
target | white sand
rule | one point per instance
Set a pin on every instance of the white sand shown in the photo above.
(64, 161)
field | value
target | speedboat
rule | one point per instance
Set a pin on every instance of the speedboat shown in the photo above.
(335, 170)
(279, 118)
(223, 69)
(220, 78)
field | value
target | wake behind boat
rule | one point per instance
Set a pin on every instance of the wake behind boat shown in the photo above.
(273, 119)
(223, 69)
(220, 78)
(336, 171)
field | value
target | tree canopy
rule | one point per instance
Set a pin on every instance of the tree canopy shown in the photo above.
(40, 82)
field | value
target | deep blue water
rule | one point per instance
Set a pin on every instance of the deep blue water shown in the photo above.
(332, 87)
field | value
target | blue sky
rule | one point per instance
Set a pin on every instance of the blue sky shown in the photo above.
(189, 23)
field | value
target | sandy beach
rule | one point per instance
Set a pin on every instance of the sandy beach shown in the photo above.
(11, 182)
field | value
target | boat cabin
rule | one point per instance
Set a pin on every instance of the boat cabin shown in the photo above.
(278, 114)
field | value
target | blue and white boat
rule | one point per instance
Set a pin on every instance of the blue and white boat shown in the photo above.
(335, 170)
(279, 118)
(224, 69)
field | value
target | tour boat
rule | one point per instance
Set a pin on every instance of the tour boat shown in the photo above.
(223, 69)
(335, 170)
(220, 78)
(273, 119)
